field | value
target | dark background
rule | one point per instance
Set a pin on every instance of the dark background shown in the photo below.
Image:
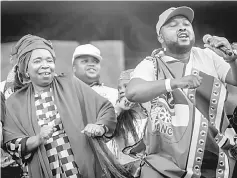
(132, 22)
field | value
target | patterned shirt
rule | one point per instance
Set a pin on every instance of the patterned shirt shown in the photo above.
(58, 148)
(6, 158)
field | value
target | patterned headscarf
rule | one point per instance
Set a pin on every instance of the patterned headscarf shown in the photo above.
(21, 53)
(126, 77)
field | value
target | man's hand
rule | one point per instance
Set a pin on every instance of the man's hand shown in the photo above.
(93, 130)
(218, 42)
(189, 81)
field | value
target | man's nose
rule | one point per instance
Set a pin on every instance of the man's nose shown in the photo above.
(91, 63)
(182, 29)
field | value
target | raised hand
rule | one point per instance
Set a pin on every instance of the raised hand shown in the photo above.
(46, 132)
(189, 81)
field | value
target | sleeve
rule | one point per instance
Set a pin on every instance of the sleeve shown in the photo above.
(144, 70)
(106, 116)
(96, 106)
(222, 67)
(17, 148)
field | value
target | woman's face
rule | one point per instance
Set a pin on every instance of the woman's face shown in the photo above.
(122, 100)
(41, 67)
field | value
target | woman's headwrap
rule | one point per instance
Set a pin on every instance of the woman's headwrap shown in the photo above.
(21, 53)
(125, 76)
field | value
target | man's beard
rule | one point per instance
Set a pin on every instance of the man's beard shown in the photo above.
(176, 48)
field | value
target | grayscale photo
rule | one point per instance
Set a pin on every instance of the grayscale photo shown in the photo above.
(118, 89)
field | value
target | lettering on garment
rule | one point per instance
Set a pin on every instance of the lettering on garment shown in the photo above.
(161, 118)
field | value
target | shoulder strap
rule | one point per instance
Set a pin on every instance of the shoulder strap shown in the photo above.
(162, 71)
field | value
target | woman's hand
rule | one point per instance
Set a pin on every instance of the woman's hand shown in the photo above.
(33, 142)
(94, 130)
(46, 132)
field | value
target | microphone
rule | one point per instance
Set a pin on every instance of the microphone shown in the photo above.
(208, 38)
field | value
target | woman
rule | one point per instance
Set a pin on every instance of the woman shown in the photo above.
(48, 114)
(131, 122)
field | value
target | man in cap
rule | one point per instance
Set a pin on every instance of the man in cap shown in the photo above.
(183, 90)
(86, 66)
